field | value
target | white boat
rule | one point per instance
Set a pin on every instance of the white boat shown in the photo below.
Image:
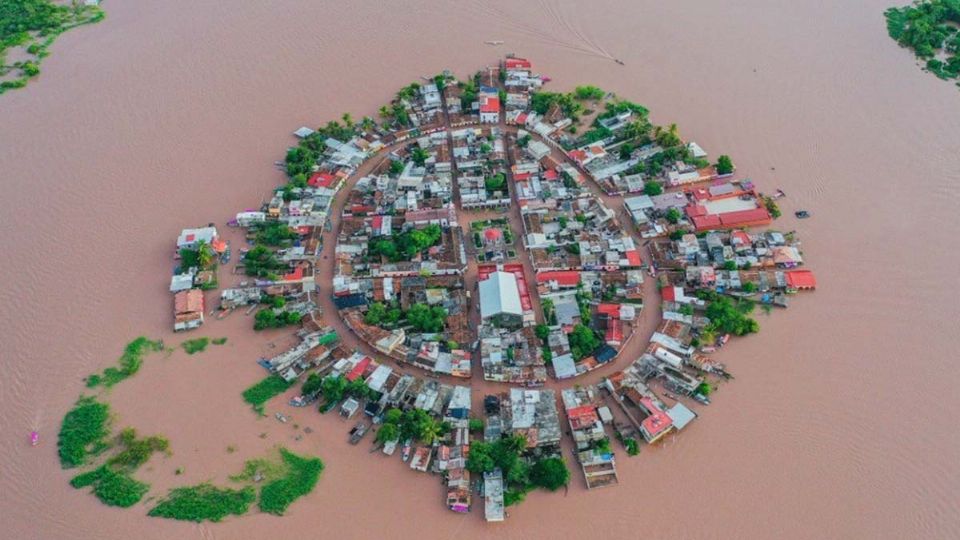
(405, 453)
(494, 42)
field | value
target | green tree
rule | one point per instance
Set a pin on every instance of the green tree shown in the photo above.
(583, 341)
(652, 188)
(419, 156)
(542, 331)
(673, 215)
(724, 165)
(376, 313)
(550, 473)
(388, 433)
(333, 388)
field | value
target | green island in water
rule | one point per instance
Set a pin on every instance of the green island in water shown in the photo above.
(29, 27)
(931, 28)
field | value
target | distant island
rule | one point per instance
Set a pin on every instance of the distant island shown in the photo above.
(29, 27)
(931, 28)
(488, 271)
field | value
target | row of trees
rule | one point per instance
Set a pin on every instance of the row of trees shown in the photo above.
(420, 316)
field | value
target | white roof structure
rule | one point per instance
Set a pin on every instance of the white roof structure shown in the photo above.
(181, 282)
(499, 294)
(190, 237)
(680, 415)
(696, 150)
(303, 132)
(564, 366)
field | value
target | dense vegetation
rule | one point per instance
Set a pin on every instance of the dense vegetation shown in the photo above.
(426, 318)
(727, 316)
(128, 365)
(406, 245)
(724, 165)
(34, 25)
(202, 257)
(519, 476)
(497, 182)
(83, 432)
(380, 314)
(136, 451)
(264, 390)
(204, 502)
(113, 488)
(583, 341)
(300, 478)
(932, 29)
(262, 262)
(271, 318)
(275, 233)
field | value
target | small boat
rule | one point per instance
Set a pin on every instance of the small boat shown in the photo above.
(701, 398)
(390, 447)
(225, 257)
(281, 417)
(405, 452)
(802, 214)
(619, 61)
(358, 432)
(545, 79)
(494, 42)
(34, 438)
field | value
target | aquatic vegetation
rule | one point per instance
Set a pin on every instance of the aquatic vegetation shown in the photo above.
(219, 341)
(204, 502)
(264, 390)
(112, 487)
(195, 345)
(128, 365)
(83, 432)
(136, 451)
(301, 477)
(34, 25)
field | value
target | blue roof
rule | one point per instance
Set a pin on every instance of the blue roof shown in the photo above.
(351, 300)
(606, 354)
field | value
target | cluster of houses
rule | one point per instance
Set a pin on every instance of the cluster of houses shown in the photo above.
(740, 262)
(509, 350)
(577, 234)
(587, 415)
(480, 157)
(198, 250)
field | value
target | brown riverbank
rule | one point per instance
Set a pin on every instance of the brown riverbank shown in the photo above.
(153, 120)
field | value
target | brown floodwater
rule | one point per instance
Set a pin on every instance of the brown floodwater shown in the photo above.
(841, 422)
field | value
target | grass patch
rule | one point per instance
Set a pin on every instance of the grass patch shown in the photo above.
(204, 502)
(255, 470)
(195, 345)
(136, 451)
(261, 392)
(113, 488)
(220, 341)
(300, 479)
(128, 365)
(83, 432)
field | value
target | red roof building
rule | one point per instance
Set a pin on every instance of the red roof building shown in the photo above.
(656, 424)
(518, 64)
(563, 278)
(800, 279)
(490, 104)
(357, 370)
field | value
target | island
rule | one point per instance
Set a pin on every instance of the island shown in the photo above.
(29, 27)
(496, 282)
(931, 28)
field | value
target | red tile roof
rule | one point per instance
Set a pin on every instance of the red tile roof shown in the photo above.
(564, 278)
(357, 371)
(633, 256)
(518, 63)
(490, 105)
(610, 310)
(801, 279)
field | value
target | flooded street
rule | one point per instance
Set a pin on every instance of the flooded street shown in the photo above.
(841, 422)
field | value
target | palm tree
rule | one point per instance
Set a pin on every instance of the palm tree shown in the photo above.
(204, 254)
(385, 112)
(367, 123)
(347, 120)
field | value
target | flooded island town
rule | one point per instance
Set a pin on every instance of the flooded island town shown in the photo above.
(487, 268)
(502, 286)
